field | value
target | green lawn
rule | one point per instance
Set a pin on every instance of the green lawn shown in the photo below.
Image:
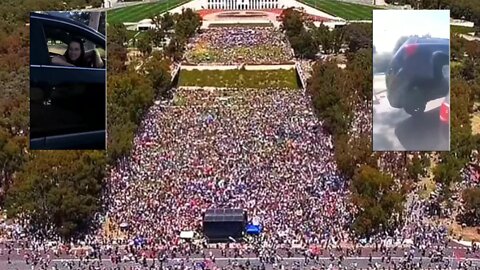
(142, 11)
(461, 29)
(239, 78)
(348, 11)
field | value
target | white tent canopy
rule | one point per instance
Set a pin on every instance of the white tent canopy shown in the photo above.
(187, 234)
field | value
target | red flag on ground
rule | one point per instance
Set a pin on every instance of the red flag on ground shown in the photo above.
(315, 249)
(456, 254)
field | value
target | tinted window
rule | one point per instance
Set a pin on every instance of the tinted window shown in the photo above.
(433, 41)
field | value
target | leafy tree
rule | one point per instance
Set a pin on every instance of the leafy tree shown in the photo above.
(472, 48)
(325, 88)
(120, 139)
(157, 36)
(117, 34)
(58, 192)
(338, 38)
(187, 24)
(131, 92)
(303, 45)
(448, 172)
(359, 68)
(144, 44)
(457, 47)
(471, 198)
(415, 168)
(468, 70)
(425, 163)
(175, 49)
(129, 95)
(117, 56)
(461, 131)
(378, 202)
(292, 22)
(358, 36)
(323, 37)
(158, 71)
(167, 22)
(351, 153)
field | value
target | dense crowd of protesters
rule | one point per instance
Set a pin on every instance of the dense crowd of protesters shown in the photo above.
(471, 172)
(234, 45)
(304, 69)
(261, 150)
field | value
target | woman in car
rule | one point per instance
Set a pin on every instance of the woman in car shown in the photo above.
(76, 56)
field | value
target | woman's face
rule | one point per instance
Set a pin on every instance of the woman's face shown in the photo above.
(74, 51)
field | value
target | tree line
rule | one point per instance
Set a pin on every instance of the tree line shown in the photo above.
(307, 40)
(132, 90)
(59, 193)
(459, 9)
(338, 93)
(176, 29)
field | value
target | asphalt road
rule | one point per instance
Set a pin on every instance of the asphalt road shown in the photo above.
(395, 130)
(288, 263)
(454, 253)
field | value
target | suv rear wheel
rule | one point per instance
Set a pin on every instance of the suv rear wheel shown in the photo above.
(415, 105)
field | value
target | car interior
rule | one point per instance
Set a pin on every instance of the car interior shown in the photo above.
(58, 40)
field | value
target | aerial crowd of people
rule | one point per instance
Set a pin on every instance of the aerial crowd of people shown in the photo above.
(262, 150)
(236, 44)
(238, 148)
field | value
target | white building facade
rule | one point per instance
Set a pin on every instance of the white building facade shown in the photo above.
(242, 4)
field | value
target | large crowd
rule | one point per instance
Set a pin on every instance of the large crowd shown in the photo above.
(304, 69)
(261, 150)
(234, 45)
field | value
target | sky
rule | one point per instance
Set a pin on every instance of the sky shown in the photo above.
(390, 25)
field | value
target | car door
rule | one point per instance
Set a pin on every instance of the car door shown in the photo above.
(75, 117)
(39, 79)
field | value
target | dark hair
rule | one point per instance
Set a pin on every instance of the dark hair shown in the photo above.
(80, 62)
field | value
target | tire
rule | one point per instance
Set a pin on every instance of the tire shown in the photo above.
(415, 110)
(416, 104)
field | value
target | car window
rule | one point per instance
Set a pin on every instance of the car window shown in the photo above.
(433, 41)
(58, 40)
(56, 47)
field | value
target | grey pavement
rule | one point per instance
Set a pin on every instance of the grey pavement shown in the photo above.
(288, 263)
(395, 130)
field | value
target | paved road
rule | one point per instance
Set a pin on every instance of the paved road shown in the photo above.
(395, 130)
(351, 262)
(453, 253)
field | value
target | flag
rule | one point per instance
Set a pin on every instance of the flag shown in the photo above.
(457, 256)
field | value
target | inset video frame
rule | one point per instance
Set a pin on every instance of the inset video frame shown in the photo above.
(411, 80)
(67, 80)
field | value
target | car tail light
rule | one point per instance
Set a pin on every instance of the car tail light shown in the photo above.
(411, 49)
(445, 112)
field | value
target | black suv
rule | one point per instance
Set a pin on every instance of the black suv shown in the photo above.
(418, 73)
(74, 116)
